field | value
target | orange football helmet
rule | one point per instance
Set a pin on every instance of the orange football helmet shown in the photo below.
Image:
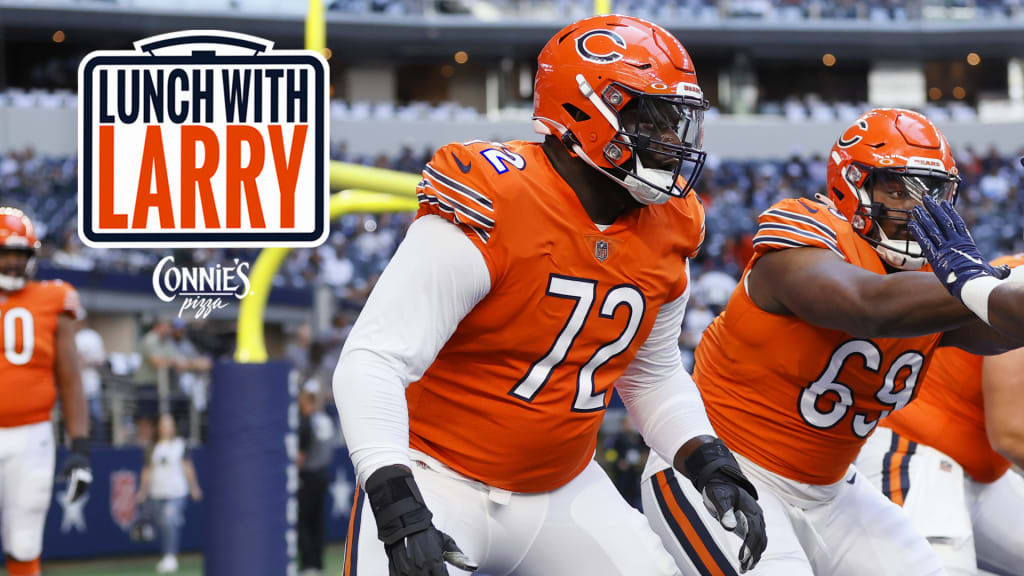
(17, 233)
(890, 149)
(615, 88)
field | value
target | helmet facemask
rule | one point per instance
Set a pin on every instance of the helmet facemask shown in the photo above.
(660, 135)
(903, 184)
(12, 280)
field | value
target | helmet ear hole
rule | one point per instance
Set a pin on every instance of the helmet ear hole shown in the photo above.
(577, 114)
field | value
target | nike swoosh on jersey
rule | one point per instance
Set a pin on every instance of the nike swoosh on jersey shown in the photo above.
(464, 167)
(809, 209)
(852, 478)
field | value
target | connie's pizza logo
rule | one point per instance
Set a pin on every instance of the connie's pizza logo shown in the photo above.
(203, 138)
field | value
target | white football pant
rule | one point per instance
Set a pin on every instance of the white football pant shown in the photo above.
(582, 528)
(967, 523)
(26, 480)
(842, 529)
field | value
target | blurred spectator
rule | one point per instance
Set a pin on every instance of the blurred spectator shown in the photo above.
(192, 370)
(92, 356)
(168, 477)
(708, 297)
(158, 351)
(316, 452)
(625, 454)
(298, 350)
(331, 340)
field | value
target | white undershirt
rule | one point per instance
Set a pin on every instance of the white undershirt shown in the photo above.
(435, 279)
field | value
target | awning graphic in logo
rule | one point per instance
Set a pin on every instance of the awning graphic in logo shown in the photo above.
(203, 138)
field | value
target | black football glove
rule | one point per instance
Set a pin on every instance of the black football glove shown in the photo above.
(949, 248)
(413, 545)
(76, 470)
(729, 497)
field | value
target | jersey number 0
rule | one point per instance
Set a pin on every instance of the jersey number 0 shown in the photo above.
(583, 292)
(11, 319)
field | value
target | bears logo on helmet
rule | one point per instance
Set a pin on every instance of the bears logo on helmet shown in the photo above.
(622, 94)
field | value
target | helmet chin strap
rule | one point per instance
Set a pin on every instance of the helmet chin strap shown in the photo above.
(11, 283)
(897, 259)
(644, 193)
(639, 190)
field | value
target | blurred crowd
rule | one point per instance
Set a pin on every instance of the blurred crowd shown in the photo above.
(167, 374)
(698, 10)
(360, 245)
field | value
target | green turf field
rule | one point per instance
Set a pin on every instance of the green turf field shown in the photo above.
(188, 565)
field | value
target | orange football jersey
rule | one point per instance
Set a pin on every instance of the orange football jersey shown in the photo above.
(28, 326)
(797, 399)
(949, 411)
(516, 396)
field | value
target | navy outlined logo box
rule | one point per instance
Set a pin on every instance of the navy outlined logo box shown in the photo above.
(203, 138)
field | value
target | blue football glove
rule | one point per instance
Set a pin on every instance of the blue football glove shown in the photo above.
(949, 248)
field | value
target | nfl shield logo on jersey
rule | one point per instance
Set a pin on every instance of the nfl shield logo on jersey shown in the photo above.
(122, 498)
(601, 250)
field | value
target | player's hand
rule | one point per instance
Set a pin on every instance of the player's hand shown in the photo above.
(414, 546)
(729, 497)
(949, 248)
(76, 470)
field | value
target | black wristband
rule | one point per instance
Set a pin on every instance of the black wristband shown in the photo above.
(397, 503)
(715, 458)
(80, 446)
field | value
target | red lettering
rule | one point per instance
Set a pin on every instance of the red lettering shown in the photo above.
(145, 197)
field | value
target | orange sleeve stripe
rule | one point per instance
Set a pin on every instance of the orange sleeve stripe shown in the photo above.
(456, 186)
(688, 529)
(443, 206)
(789, 234)
(801, 220)
(352, 541)
(464, 212)
(459, 190)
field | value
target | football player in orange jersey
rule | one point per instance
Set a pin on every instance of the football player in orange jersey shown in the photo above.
(535, 277)
(965, 419)
(828, 332)
(37, 333)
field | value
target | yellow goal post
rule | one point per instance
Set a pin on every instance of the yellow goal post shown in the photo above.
(365, 190)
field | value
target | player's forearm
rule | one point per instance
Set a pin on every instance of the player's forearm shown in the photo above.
(69, 382)
(73, 406)
(668, 413)
(907, 304)
(825, 291)
(373, 411)
(1006, 309)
